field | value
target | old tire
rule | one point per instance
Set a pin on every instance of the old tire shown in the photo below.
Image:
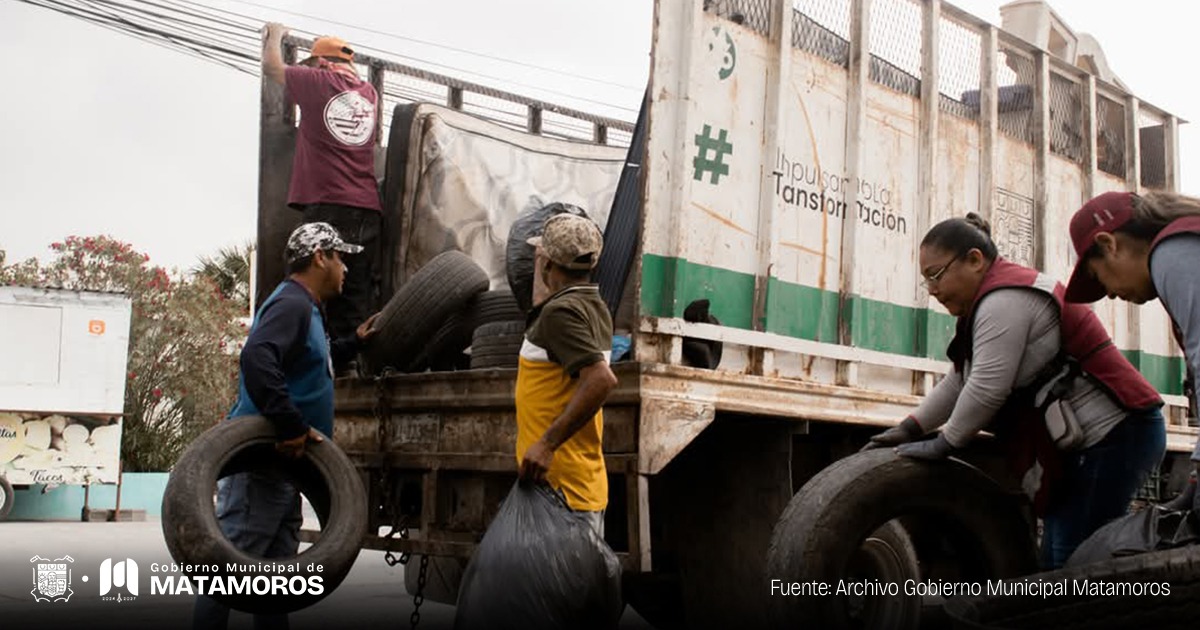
(1179, 569)
(497, 345)
(421, 306)
(496, 306)
(7, 497)
(324, 475)
(826, 524)
(450, 340)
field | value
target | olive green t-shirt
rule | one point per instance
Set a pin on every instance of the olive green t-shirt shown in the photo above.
(574, 327)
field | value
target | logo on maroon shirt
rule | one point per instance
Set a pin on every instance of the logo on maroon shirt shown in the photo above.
(350, 118)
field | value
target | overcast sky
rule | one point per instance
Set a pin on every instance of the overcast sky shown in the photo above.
(105, 134)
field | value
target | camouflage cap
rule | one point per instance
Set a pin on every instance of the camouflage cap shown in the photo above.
(310, 238)
(570, 241)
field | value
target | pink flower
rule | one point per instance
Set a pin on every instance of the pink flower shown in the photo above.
(158, 392)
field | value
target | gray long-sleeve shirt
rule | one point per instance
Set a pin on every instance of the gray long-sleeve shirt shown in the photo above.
(1016, 334)
(1173, 268)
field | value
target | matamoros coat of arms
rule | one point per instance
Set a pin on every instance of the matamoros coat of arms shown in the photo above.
(51, 579)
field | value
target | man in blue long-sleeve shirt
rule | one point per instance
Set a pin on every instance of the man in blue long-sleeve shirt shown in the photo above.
(287, 377)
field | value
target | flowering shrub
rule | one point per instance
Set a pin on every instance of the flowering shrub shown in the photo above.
(183, 343)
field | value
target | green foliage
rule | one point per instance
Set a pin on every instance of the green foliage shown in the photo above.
(229, 269)
(183, 348)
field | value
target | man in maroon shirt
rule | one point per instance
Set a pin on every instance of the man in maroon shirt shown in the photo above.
(333, 172)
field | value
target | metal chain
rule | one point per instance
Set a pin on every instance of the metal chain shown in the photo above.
(383, 416)
(419, 596)
(399, 530)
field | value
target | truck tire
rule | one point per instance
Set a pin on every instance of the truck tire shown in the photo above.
(324, 475)
(497, 345)
(1178, 569)
(827, 525)
(421, 306)
(7, 497)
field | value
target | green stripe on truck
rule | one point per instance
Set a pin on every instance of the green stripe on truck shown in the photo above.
(794, 310)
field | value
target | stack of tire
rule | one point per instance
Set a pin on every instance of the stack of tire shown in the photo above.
(440, 312)
(424, 321)
(445, 308)
(499, 331)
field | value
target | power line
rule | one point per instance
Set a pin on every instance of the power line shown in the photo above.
(150, 35)
(411, 58)
(210, 35)
(430, 43)
(161, 21)
(500, 79)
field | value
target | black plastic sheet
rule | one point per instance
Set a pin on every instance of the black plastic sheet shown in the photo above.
(519, 254)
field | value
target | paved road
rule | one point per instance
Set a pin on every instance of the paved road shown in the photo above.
(372, 596)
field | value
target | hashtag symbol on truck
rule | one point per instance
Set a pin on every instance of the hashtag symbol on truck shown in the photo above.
(718, 148)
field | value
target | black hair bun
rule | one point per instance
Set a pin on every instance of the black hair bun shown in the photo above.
(979, 223)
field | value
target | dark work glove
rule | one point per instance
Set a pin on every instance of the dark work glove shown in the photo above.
(907, 431)
(1188, 499)
(937, 448)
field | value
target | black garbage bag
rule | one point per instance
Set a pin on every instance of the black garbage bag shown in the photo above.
(701, 353)
(540, 565)
(1152, 529)
(518, 255)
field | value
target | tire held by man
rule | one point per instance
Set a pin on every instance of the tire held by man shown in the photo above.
(325, 475)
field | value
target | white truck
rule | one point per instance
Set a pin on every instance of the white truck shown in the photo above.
(62, 387)
(789, 158)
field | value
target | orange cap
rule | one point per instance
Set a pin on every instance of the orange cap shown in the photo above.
(332, 47)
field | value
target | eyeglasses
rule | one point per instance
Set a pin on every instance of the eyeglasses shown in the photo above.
(932, 279)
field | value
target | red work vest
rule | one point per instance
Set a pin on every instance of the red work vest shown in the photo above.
(1186, 225)
(1083, 336)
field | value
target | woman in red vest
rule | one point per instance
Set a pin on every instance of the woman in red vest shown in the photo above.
(1024, 360)
(1139, 248)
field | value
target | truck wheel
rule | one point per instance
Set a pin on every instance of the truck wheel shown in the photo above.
(324, 475)
(421, 306)
(1160, 589)
(7, 496)
(826, 535)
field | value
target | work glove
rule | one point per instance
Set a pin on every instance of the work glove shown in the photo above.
(937, 448)
(907, 431)
(1188, 499)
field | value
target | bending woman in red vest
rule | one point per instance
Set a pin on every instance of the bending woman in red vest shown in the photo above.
(1138, 248)
(1015, 341)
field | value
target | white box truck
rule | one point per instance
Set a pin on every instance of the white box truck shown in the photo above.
(62, 387)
